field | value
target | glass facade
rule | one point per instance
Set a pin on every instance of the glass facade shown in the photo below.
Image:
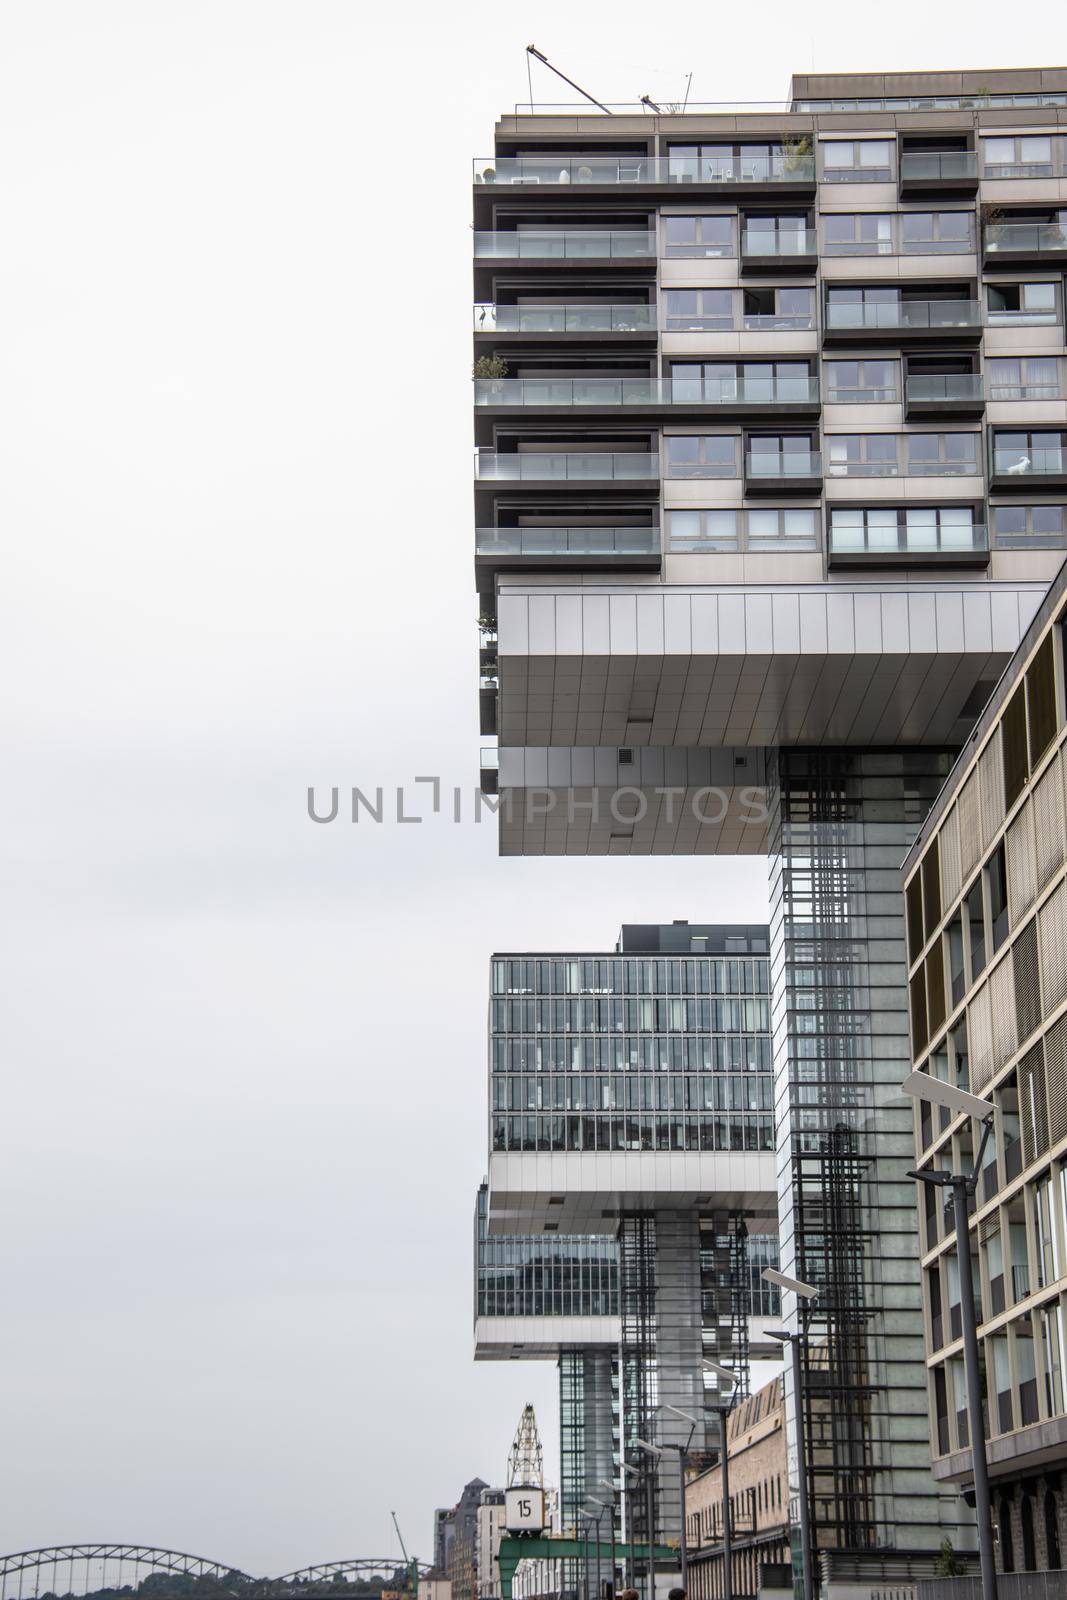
(631, 1053)
(544, 1275)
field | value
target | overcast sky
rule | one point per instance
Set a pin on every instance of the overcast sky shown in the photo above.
(244, 1118)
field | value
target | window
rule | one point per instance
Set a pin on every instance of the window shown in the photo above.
(733, 163)
(780, 455)
(976, 928)
(778, 310)
(1036, 527)
(700, 310)
(1027, 304)
(864, 233)
(701, 455)
(956, 977)
(1019, 156)
(763, 528)
(699, 236)
(856, 160)
(902, 529)
(862, 455)
(937, 232)
(872, 381)
(754, 382)
(942, 454)
(1028, 452)
(763, 235)
(1024, 378)
(998, 898)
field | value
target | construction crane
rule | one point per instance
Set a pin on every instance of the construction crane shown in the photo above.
(408, 1562)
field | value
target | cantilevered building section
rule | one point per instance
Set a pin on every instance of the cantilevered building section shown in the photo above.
(771, 476)
(630, 1203)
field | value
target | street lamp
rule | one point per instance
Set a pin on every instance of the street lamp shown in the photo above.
(590, 1517)
(653, 1451)
(683, 1451)
(963, 1185)
(723, 1410)
(631, 1472)
(803, 1291)
(610, 1509)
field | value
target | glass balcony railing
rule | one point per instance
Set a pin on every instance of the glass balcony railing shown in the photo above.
(554, 466)
(643, 391)
(1028, 237)
(1019, 169)
(904, 314)
(778, 322)
(567, 244)
(952, 538)
(1015, 462)
(1027, 391)
(598, 541)
(949, 166)
(780, 243)
(787, 464)
(943, 386)
(564, 319)
(553, 171)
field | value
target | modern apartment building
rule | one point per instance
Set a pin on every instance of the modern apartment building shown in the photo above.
(630, 1206)
(987, 964)
(770, 481)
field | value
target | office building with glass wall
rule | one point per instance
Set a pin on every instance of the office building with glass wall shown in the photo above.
(770, 407)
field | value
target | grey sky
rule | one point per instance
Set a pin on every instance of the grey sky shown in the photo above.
(245, 1109)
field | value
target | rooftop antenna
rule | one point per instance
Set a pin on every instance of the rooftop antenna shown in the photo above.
(650, 103)
(688, 86)
(532, 50)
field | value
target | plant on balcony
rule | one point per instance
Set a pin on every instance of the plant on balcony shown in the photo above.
(947, 1563)
(796, 153)
(490, 367)
(991, 214)
(585, 174)
(489, 174)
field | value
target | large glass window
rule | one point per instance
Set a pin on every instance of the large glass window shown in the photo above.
(937, 232)
(1026, 304)
(754, 382)
(911, 529)
(868, 381)
(856, 160)
(701, 455)
(699, 310)
(733, 163)
(1039, 527)
(862, 455)
(942, 454)
(1024, 378)
(859, 233)
(729, 530)
(699, 236)
(1017, 156)
(1028, 452)
(778, 310)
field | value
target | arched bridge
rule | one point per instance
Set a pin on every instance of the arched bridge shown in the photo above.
(82, 1569)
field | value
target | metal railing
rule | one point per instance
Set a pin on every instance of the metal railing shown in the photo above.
(1019, 169)
(947, 165)
(567, 244)
(903, 314)
(552, 466)
(591, 541)
(779, 242)
(1027, 391)
(1024, 236)
(955, 538)
(557, 171)
(643, 391)
(944, 386)
(786, 464)
(564, 319)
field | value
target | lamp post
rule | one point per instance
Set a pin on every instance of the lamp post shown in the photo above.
(803, 1291)
(610, 1509)
(964, 1185)
(605, 1484)
(629, 1472)
(722, 1411)
(654, 1452)
(595, 1518)
(683, 1452)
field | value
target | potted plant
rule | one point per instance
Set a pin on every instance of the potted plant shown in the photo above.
(489, 175)
(494, 368)
(796, 154)
(585, 174)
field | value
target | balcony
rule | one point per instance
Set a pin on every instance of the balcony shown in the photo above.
(556, 320)
(1018, 467)
(489, 769)
(786, 173)
(577, 549)
(964, 544)
(767, 250)
(785, 472)
(555, 245)
(629, 467)
(737, 396)
(1010, 244)
(902, 321)
(956, 394)
(929, 173)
